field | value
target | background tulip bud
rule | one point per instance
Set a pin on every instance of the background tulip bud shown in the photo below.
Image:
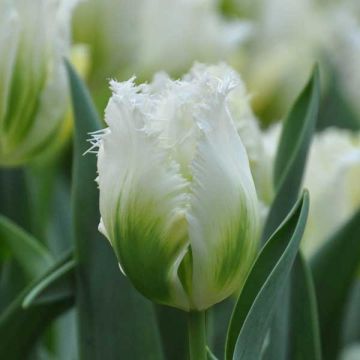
(33, 87)
(177, 198)
(332, 176)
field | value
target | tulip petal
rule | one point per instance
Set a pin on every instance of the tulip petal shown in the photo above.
(223, 220)
(9, 36)
(142, 198)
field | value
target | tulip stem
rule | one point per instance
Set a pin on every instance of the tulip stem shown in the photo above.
(197, 335)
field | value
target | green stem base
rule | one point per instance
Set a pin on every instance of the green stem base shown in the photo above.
(197, 335)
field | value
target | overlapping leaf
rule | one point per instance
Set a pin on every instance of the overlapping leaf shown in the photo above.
(252, 315)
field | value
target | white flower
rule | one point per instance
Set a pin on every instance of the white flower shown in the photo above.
(172, 34)
(145, 36)
(177, 198)
(288, 37)
(345, 49)
(282, 52)
(332, 177)
(34, 35)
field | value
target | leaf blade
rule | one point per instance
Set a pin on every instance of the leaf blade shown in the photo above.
(303, 316)
(20, 327)
(264, 283)
(333, 282)
(32, 256)
(291, 154)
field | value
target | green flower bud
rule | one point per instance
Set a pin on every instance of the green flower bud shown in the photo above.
(34, 36)
(177, 198)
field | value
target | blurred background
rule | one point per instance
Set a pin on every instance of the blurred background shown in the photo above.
(273, 44)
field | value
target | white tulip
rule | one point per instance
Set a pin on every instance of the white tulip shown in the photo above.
(145, 36)
(177, 198)
(34, 36)
(332, 177)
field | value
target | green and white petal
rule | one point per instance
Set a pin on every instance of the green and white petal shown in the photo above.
(9, 37)
(142, 198)
(223, 218)
(34, 94)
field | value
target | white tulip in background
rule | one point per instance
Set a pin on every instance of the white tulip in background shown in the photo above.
(145, 36)
(332, 178)
(345, 49)
(34, 37)
(288, 37)
(172, 34)
(177, 198)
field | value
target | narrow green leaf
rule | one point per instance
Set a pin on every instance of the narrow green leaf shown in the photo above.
(174, 332)
(218, 318)
(292, 153)
(40, 180)
(251, 318)
(14, 197)
(277, 346)
(335, 109)
(351, 332)
(57, 284)
(290, 163)
(305, 335)
(334, 268)
(21, 328)
(31, 255)
(115, 321)
(210, 355)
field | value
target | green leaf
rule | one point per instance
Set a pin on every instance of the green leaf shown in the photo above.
(115, 321)
(304, 329)
(251, 318)
(40, 180)
(14, 197)
(55, 285)
(335, 109)
(288, 174)
(292, 153)
(31, 255)
(210, 355)
(334, 268)
(174, 332)
(217, 322)
(20, 328)
(351, 333)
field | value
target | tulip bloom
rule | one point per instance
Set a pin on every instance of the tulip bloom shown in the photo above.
(177, 199)
(33, 85)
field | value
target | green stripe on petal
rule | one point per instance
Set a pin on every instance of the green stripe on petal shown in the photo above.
(9, 36)
(223, 220)
(142, 200)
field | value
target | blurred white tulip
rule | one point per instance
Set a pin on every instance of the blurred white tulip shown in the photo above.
(332, 176)
(34, 37)
(145, 36)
